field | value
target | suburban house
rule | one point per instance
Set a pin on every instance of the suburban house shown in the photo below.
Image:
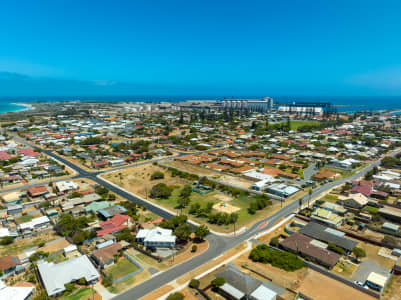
(36, 223)
(326, 216)
(353, 200)
(16, 292)
(104, 257)
(328, 235)
(242, 286)
(111, 211)
(115, 224)
(8, 264)
(55, 276)
(156, 238)
(37, 191)
(310, 249)
(66, 186)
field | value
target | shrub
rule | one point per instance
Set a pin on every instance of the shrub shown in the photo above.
(157, 175)
(6, 240)
(160, 190)
(82, 281)
(218, 282)
(175, 296)
(359, 252)
(280, 259)
(333, 247)
(107, 281)
(194, 283)
(274, 242)
(194, 248)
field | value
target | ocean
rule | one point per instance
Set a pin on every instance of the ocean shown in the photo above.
(344, 104)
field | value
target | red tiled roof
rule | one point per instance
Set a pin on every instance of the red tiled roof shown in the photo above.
(28, 152)
(362, 187)
(37, 190)
(7, 262)
(114, 224)
(4, 156)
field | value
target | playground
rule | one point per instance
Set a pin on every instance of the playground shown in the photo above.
(225, 207)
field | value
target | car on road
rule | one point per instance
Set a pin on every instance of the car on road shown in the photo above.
(359, 283)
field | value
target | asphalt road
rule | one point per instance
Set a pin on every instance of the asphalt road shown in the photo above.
(217, 244)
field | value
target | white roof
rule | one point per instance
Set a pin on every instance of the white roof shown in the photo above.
(34, 222)
(70, 248)
(263, 293)
(156, 235)
(14, 292)
(377, 279)
(54, 276)
(229, 289)
(4, 232)
(63, 186)
(260, 176)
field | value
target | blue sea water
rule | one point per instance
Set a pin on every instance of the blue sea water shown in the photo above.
(10, 107)
(344, 104)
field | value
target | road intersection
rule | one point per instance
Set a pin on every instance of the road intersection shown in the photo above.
(218, 244)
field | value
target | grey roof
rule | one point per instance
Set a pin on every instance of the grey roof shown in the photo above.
(322, 233)
(112, 211)
(54, 276)
(234, 277)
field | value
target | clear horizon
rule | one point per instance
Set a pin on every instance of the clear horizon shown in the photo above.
(294, 48)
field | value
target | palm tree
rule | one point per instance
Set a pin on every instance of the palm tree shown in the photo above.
(310, 195)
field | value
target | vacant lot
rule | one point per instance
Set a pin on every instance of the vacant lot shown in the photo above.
(200, 171)
(372, 253)
(393, 290)
(17, 246)
(318, 286)
(137, 179)
(122, 268)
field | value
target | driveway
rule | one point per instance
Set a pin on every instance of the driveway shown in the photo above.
(366, 267)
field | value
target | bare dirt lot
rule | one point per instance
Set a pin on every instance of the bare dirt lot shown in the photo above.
(137, 179)
(225, 178)
(321, 287)
(393, 291)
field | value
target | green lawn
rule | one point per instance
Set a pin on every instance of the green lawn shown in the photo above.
(81, 294)
(122, 268)
(371, 209)
(24, 219)
(242, 202)
(331, 198)
(296, 124)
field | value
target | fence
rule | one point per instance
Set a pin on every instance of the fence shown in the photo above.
(140, 269)
(158, 259)
(274, 197)
(334, 276)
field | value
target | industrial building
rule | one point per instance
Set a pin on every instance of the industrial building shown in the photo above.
(260, 105)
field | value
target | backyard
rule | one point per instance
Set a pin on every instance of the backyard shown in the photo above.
(81, 294)
(121, 268)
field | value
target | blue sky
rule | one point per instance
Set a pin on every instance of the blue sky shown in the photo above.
(326, 48)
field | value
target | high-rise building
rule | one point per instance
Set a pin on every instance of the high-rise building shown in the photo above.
(261, 105)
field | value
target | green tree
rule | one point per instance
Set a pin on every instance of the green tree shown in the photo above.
(183, 232)
(359, 252)
(160, 190)
(157, 175)
(218, 282)
(201, 232)
(175, 296)
(194, 283)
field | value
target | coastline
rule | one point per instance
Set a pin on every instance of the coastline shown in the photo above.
(20, 107)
